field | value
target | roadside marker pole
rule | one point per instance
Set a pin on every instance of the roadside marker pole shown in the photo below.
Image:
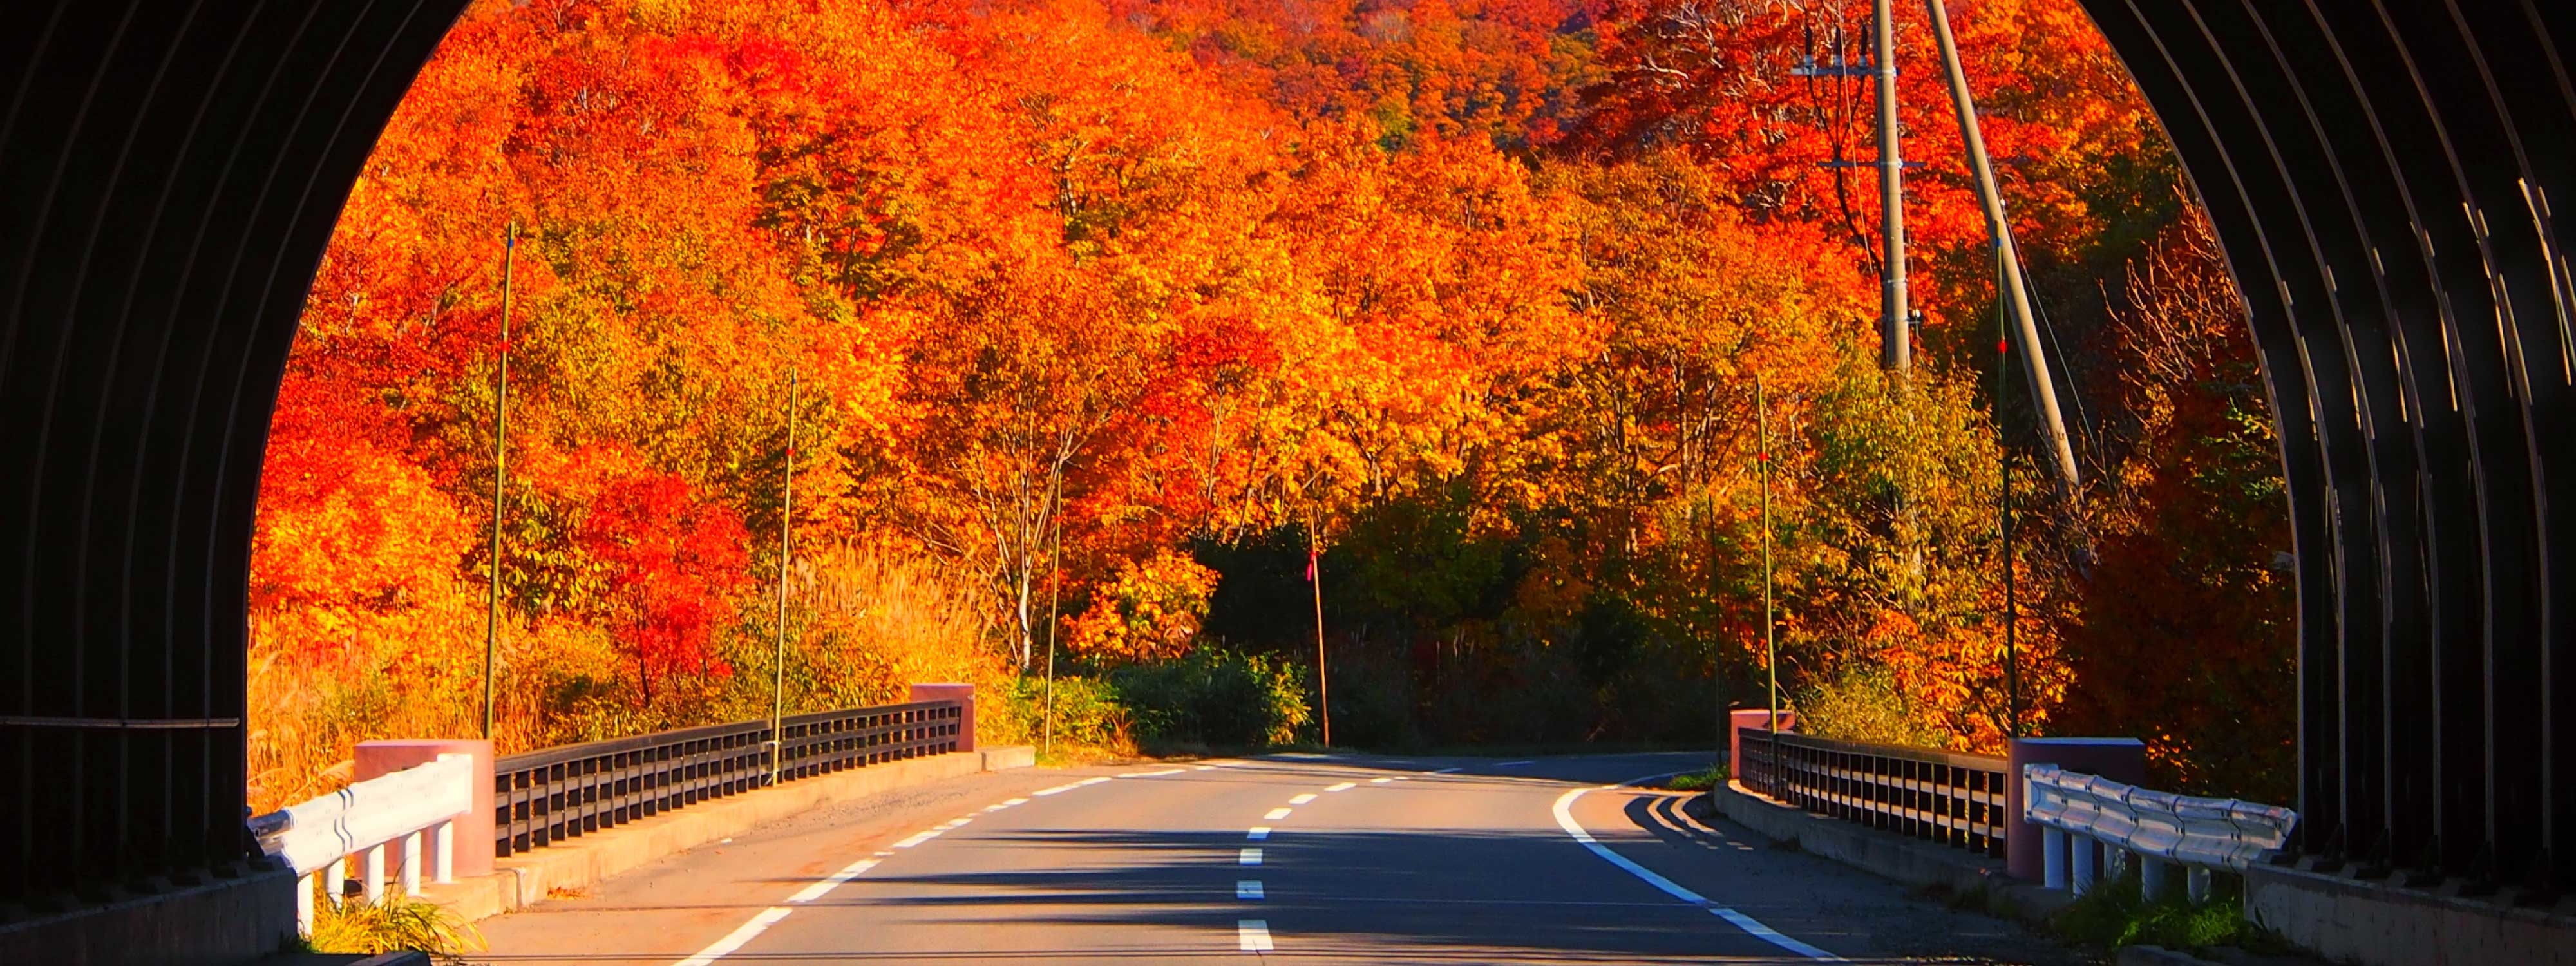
(1055, 595)
(778, 651)
(1315, 577)
(1770, 653)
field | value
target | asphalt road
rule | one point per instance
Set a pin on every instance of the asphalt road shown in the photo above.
(1342, 858)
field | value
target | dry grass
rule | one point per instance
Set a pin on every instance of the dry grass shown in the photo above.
(864, 623)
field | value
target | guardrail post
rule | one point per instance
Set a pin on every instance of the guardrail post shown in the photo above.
(411, 865)
(304, 904)
(2082, 880)
(335, 883)
(2155, 878)
(2053, 875)
(373, 886)
(442, 848)
(2196, 885)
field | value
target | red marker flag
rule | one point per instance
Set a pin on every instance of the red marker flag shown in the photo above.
(1310, 565)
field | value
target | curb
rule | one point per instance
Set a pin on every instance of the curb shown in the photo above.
(1888, 856)
(524, 880)
(2155, 956)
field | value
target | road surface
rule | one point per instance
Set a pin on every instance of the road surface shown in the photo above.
(1342, 858)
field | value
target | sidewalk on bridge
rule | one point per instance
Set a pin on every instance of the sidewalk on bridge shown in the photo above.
(1911, 861)
(524, 880)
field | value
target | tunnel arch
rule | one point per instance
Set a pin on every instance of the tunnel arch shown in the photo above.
(2380, 172)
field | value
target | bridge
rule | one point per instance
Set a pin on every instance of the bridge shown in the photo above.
(2383, 175)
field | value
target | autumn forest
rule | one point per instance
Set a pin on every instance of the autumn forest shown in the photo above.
(949, 340)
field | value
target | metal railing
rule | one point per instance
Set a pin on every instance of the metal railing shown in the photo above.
(316, 838)
(1938, 796)
(2081, 813)
(544, 797)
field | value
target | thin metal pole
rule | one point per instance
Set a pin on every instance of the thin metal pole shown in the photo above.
(1896, 348)
(500, 477)
(1770, 646)
(2015, 288)
(1315, 577)
(778, 650)
(1055, 594)
(2003, 512)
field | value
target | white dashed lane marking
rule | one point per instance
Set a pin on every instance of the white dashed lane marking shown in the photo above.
(1258, 833)
(1380, 781)
(1249, 856)
(1247, 889)
(833, 881)
(1253, 935)
(1302, 799)
(761, 923)
(1277, 814)
(1343, 787)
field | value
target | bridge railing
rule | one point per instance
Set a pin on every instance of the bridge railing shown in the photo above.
(1953, 799)
(316, 837)
(2082, 814)
(544, 797)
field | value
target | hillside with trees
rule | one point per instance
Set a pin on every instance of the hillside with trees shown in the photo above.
(1083, 322)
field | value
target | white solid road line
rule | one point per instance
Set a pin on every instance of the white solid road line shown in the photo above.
(1276, 814)
(1343, 787)
(917, 838)
(833, 881)
(1247, 889)
(761, 923)
(1380, 781)
(1565, 820)
(1249, 856)
(1058, 790)
(1153, 774)
(1258, 833)
(1302, 799)
(1442, 771)
(1253, 935)
(1094, 780)
(1513, 764)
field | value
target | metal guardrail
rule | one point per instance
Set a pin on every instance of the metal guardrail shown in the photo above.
(544, 797)
(317, 836)
(1938, 796)
(2081, 812)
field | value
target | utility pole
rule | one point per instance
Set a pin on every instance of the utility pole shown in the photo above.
(1315, 577)
(2014, 288)
(500, 476)
(778, 650)
(1896, 349)
(1770, 646)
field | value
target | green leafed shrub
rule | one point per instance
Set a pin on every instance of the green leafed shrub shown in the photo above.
(1216, 698)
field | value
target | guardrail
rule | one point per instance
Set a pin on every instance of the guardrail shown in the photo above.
(1938, 796)
(318, 836)
(544, 797)
(2081, 813)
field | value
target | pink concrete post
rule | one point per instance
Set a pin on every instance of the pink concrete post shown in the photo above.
(964, 695)
(2118, 759)
(1756, 718)
(474, 830)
